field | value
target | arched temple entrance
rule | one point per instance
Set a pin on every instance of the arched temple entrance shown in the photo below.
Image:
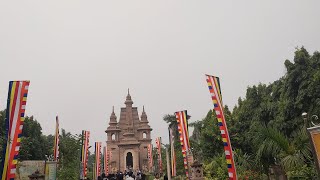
(129, 160)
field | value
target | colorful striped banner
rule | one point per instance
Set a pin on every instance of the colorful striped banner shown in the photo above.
(173, 154)
(97, 159)
(215, 91)
(56, 141)
(158, 143)
(16, 105)
(110, 161)
(181, 117)
(84, 154)
(105, 160)
(150, 157)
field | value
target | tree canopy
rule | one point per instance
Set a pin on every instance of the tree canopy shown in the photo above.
(266, 128)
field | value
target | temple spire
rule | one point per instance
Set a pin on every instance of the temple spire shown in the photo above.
(113, 117)
(144, 117)
(128, 101)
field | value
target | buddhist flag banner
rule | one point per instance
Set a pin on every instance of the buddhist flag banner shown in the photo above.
(181, 117)
(106, 160)
(84, 154)
(158, 143)
(215, 91)
(16, 105)
(56, 141)
(150, 157)
(173, 154)
(97, 159)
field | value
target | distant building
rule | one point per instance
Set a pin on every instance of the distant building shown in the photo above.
(128, 139)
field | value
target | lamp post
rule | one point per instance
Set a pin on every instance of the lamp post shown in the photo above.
(314, 134)
(168, 163)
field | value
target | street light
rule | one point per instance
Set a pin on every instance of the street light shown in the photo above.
(168, 162)
(313, 117)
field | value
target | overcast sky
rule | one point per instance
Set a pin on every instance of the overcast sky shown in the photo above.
(82, 56)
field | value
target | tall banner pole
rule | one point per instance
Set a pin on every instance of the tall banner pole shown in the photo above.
(150, 148)
(215, 92)
(16, 106)
(158, 142)
(150, 157)
(56, 142)
(84, 154)
(106, 160)
(168, 164)
(97, 159)
(173, 155)
(182, 125)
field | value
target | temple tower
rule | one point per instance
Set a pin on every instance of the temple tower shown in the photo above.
(128, 139)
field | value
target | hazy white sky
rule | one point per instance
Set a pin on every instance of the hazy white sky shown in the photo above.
(81, 56)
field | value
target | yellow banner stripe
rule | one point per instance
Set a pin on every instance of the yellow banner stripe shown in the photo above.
(14, 85)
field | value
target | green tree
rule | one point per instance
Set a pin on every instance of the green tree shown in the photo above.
(289, 153)
(278, 106)
(2, 133)
(34, 145)
(69, 166)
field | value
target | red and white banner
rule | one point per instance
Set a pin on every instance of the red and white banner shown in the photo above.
(173, 154)
(106, 160)
(215, 92)
(181, 117)
(150, 157)
(158, 143)
(16, 107)
(97, 159)
(84, 154)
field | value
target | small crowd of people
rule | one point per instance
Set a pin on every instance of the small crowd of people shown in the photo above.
(126, 175)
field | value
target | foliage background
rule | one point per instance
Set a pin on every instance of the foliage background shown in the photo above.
(266, 129)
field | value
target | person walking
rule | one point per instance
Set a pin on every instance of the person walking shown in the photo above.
(157, 177)
(130, 176)
(165, 177)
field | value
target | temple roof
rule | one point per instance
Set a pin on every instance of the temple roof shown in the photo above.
(129, 121)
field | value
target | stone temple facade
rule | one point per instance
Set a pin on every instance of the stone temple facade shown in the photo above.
(128, 139)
